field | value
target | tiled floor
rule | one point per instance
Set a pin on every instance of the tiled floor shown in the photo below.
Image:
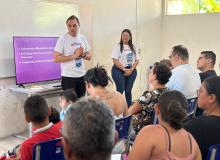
(10, 142)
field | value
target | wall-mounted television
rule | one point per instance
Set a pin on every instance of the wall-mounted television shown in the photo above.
(34, 59)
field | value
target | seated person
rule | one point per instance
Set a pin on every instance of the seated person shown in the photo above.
(206, 129)
(206, 64)
(37, 112)
(97, 81)
(66, 99)
(54, 115)
(143, 109)
(168, 140)
(55, 118)
(185, 78)
(88, 130)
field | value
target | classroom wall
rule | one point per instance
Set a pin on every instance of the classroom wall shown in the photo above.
(145, 25)
(197, 32)
(11, 104)
(153, 34)
(102, 26)
(12, 120)
(148, 40)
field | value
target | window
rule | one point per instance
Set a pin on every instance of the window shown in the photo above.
(175, 7)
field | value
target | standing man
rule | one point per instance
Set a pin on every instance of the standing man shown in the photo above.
(185, 78)
(205, 64)
(71, 50)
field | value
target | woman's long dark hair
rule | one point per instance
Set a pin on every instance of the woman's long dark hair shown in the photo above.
(130, 44)
(173, 107)
(97, 76)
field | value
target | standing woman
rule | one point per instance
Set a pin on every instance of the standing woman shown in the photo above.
(125, 61)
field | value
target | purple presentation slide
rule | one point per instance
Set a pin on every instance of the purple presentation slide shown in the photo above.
(34, 59)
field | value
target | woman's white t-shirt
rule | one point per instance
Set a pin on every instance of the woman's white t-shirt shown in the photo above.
(67, 45)
(127, 57)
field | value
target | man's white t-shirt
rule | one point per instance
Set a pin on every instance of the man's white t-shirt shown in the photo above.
(127, 57)
(67, 45)
(185, 78)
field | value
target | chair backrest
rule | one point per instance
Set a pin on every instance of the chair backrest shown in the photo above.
(214, 152)
(49, 150)
(192, 105)
(123, 126)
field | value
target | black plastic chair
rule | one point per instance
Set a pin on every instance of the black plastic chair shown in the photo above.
(192, 106)
(123, 127)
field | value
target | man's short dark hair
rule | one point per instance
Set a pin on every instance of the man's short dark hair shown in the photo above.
(36, 109)
(210, 55)
(181, 51)
(88, 129)
(72, 18)
(69, 94)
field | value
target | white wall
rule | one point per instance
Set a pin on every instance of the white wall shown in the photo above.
(102, 23)
(29, 18)
(109, 21)
(36, 17)
(12, 118)
(148, 39)
(197, 32)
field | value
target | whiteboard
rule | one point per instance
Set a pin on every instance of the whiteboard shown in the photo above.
(29, 18)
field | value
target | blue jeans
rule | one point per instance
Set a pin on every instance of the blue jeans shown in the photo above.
(124, 83)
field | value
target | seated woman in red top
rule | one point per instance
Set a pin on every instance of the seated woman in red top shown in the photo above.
(168, 140)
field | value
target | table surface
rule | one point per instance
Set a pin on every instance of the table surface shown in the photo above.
(51, 88)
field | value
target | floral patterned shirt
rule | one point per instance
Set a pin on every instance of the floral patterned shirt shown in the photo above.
(147, 102)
